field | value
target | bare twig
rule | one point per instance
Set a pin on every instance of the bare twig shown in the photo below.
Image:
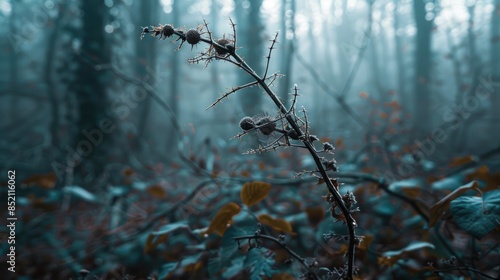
(283, 245)
(268, 57)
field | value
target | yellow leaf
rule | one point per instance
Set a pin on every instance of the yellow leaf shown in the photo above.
(493, 182)
(342, 250)
(277, 224)
(149, 243)
(253, 192)
(437, 210)
(192, 267)
(156, 191)
(458, 161)
(315, 215)
(367, 240)
(45, 181)
(411, 192)
(223, 218)
(481, 173)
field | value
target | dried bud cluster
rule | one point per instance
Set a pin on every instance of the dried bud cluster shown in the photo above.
(225, 43)
(167, 31)
(265, 124)
(247, 123)
(193, 36)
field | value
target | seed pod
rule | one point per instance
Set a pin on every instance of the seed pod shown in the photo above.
(223, 42)
(327, 147)
(266, 125)
(313, 138)
(193, 37)
(167, 30)
(247, 123)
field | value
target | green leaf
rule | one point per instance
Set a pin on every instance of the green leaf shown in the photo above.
(80, 192)
(167, 269)
(228, 246)
(234, 268)
(187, 264)
(157, 237)
(448, 183)
(170, 228)
(441, 207)
(260, 265)
(407, 183)
(412, 247)
(470, 215)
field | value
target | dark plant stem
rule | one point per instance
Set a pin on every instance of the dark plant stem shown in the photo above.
(349, 220)
(338, 198)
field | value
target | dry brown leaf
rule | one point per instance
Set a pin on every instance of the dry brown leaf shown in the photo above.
(223, 218)
(253, 192)
(277, 224)
(437, 210)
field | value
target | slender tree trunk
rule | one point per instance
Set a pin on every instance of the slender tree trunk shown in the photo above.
(250, 28)
(13, 59)
(175, 71)
(422, 95)
(92, 99)
(49, 79)
(288, 49)
(460, 136)
(495, 63)
(214, 15)
(218, 113)
(401, 69)
(145, 67)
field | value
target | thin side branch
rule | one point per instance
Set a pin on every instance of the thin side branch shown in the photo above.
(283, 245)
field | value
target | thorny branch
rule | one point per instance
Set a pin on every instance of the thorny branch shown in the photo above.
(227, 52)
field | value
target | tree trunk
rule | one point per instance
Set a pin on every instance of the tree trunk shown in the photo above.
(13, 59)
(175, 70)
(48, 78)
(401, 69)
(287, 50)
(145, 68)
(495, 63)
(250, 28)
(93, 140)
(422, 96)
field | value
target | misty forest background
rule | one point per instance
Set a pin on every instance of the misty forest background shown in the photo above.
(408, 92)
